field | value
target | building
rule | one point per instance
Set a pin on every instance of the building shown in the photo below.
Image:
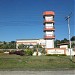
(49, 29)
(30, 42)
(48, 41)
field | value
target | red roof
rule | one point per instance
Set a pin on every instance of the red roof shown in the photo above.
(48, 21)
(49, 37)
(63, 44)
(48, 13)
(48, 29)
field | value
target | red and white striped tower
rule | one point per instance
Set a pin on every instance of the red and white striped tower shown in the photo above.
(49, 29)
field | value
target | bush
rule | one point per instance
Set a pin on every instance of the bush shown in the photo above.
(22, 53)
(12, 52)
(19, 52)
(28, 52)
(1, 51)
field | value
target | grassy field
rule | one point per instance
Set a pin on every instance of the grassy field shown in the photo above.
(16, 62)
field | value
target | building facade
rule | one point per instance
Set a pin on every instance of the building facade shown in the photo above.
(30, 42)
(49, 29)
(48, 41)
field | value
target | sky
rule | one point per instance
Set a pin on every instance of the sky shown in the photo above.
(23, 19)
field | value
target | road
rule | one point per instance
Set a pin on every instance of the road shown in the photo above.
(69, 72)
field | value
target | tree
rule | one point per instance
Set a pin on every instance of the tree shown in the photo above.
(64, 41)
(56, 42)
(4, 45)
(73, 45)
(8, 45)
(37, 48)
(21, 46)
(73, 38)
(12, 45)
(1, 46)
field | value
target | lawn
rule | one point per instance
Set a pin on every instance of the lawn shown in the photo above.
(16, 62)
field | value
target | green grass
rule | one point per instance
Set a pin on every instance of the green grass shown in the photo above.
(16, 62)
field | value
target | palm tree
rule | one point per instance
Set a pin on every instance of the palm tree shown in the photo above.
(36, 48)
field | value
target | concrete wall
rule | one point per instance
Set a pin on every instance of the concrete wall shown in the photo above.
(50, 33)
(56, 51)
(50, 25)
(48, 18)
(49, 43)
(70, 52)
(64, 46)
(60, 51)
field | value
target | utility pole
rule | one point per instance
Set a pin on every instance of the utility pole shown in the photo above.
(69, 32)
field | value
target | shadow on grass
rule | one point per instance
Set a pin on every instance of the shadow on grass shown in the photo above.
(72, 60)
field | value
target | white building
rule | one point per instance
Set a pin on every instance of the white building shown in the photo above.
(48, 41)
(64, 45)
(49, 29)
(30, 42)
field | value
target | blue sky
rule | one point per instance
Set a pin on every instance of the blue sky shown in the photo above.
(23, 19)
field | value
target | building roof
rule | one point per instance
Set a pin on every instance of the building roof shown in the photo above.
(48, 13)
(27, 39)
(63, 44)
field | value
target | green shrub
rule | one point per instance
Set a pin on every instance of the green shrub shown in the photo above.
(28, 52)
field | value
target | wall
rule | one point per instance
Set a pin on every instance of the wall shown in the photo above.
(48, 18)
(56, 51)
(30, 42)
(60, 51)
(50, 25)
(70, 51)
(64, 46)
(49, 43)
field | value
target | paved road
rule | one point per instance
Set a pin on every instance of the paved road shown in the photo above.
(71, 72)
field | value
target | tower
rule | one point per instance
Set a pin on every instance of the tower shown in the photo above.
(49, 29)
